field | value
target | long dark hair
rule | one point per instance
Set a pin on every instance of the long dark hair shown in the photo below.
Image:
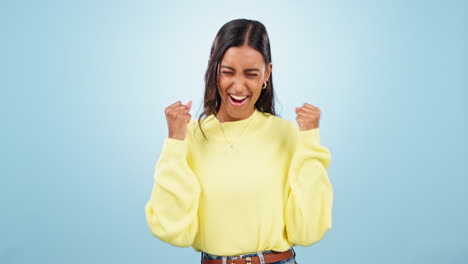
(234, 34)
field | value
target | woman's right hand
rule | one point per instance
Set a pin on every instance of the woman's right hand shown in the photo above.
(178, 117)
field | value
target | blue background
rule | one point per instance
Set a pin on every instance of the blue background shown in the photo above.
(84, 85)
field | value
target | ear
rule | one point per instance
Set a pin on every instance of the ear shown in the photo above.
(268, 72)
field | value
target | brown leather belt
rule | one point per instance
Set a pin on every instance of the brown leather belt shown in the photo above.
(269, 258)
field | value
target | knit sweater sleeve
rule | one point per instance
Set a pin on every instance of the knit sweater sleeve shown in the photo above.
(308, 211)
(172, 211)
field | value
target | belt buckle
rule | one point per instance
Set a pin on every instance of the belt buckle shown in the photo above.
(248, 259)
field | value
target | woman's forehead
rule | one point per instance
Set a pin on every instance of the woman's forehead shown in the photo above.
(244, 57)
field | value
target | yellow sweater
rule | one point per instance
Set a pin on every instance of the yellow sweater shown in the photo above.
(269, 192)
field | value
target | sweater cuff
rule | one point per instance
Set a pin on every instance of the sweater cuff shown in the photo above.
(174, 149)
(309, 137)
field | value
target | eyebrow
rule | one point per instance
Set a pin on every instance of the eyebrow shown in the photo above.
(246, 70)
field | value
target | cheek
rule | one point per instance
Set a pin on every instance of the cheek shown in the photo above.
(223, 83)
(257, 92)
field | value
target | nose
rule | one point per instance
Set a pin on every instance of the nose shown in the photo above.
(239, 85)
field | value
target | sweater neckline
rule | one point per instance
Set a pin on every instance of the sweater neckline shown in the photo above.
(237, 122)
(232, 129)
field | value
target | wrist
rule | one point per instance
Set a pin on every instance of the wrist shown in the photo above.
(178, 137)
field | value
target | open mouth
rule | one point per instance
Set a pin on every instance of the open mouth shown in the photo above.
(238, 100)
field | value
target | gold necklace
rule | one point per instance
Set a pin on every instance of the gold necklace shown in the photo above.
(231, 145)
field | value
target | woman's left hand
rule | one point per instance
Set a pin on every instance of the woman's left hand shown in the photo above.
(308, 117)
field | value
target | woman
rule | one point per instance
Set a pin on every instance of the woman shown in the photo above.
(241, 185)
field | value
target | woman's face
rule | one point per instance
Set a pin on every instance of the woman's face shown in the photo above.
(242, 73)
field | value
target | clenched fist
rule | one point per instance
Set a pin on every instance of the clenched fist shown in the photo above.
(308, 117)
(178, 117)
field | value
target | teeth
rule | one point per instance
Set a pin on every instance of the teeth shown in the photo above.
(238, 97)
